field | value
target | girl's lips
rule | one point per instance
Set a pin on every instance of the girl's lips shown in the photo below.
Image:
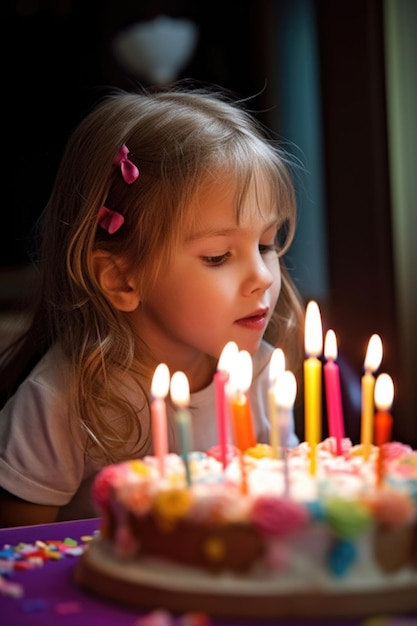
(257, 321)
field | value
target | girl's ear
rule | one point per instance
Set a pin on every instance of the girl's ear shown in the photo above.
(121, 290)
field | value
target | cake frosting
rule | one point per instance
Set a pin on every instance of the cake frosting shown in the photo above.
(265, 526)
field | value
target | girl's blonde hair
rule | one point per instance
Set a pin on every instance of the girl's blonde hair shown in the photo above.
(177, 138)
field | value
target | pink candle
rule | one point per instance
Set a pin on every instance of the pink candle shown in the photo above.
(159, 391)
(333, 392)
(221, 377)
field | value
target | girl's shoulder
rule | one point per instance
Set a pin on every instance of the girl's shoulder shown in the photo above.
(52, 368)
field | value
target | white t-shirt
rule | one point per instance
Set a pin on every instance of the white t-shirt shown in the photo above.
(43, 461)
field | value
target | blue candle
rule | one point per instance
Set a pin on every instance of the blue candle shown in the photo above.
(180, 394)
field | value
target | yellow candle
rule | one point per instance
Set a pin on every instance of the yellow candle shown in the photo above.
(312, 381)
(373, 360)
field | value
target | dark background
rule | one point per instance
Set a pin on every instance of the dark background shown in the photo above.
(63, 63)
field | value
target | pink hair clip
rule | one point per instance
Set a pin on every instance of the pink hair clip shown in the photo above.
(110, 220)
(129, 170)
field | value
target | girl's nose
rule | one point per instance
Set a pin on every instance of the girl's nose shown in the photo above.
(259, 276)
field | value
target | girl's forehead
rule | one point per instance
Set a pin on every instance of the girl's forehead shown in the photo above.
(244, 196)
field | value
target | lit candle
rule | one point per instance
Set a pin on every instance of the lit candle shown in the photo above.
(312, 380)
(240, 381)
(159, 391)
(221, 377)
(373, 360)
(333, 391)
(276, 368)
(180, 394)
(285, 393)
(384, 395)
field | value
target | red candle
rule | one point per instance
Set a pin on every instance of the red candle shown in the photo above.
(384, 395)
(333, 391)
(159, 391)
(221, 377)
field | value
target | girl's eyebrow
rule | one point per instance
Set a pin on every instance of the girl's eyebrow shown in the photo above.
(222, 232)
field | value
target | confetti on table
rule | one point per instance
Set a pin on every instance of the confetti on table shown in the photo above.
(27, 556)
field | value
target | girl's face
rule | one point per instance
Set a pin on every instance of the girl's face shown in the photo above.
(222, 284)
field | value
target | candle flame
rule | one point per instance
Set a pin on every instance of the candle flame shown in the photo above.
(330, 346)
(241, 372)
(313, 330)
(276, 365)
(285, 390)
(384, 392)
(227, 357)
(373, 356)
(160, 381)
(180, 389)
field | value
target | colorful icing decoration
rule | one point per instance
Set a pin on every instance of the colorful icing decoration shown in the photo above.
(342, 555)
(278, 516)
(171, 506)
(347, 518)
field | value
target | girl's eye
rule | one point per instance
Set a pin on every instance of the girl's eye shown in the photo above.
(263, 249)
(216, 260)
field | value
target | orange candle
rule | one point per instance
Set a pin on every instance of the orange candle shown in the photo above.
(312, 380)
(373, 360)
(384, 395)
(241, 412)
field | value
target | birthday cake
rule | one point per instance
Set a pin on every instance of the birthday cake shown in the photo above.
(260, 536)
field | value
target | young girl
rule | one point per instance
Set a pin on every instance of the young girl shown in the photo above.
(161, 243)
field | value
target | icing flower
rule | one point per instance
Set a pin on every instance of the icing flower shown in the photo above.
(278, 516)
(392, 508)
(172, 505)
(260, 451)
(136, 497)
(139, 467)
(109, 477)
(396, 450)
(347, 518)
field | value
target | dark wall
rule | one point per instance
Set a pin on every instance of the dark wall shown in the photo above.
(65, 63)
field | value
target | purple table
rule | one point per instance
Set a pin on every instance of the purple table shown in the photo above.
(50, 593)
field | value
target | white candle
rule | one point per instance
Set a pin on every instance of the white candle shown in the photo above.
(276, 369)
(285, 393)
